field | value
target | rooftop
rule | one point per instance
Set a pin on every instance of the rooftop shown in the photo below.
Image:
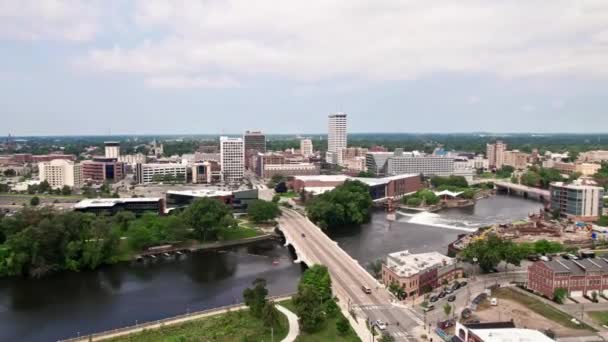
(577, 267)
(406, 264)
(511, 335)
(110, 202)
(200, 193)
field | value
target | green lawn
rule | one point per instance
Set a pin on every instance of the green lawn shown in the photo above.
(289, 194)
(539, 307)
(241, 232)
(328, 333)
(231, 326)
(601, 317)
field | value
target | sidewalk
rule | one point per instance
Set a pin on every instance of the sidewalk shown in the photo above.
(294, 326)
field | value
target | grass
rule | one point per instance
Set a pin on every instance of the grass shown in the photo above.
(240, 232)
(41, 196)
(539, 307)
(289, 194)
(327, 333)
(230, 326)
(600, 317)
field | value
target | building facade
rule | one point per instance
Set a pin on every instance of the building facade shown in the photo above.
(111, 206)
(375, 162)
(379, 188)
(290, 169)
(112, 149)
(578, 277)
(516, 159)
(160, 172)
(255, 142)
(59, 173)
(495, 154)
(428, 166)
(336, 138)
(306, 148)
(418, 274)
(232, 159)
(585, 169)
(577, 202)
(593, 156)
(101, 170)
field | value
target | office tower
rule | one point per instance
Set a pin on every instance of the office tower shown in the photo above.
(112, 149)
(306, 148)
(232, 158)
(255, 142)
(577, 202)
(495, 154)
(336, 138)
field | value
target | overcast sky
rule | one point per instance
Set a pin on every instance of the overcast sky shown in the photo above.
(213, 66)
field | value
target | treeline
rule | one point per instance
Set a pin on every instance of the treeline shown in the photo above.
(492, 250)
(347, 204)
(543, 177)
(37, 242)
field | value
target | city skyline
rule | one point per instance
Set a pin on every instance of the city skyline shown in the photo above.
(218, 67)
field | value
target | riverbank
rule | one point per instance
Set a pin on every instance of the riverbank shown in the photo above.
(226, 323)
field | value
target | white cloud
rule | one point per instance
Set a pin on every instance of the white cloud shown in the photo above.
(473, 99)
(359, 39)
(179, 82)
(63, 20)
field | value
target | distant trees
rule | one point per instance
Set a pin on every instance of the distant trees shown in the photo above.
(347, 204)
(262, 211)
(365, 174)
(505, 172)
(601, 177)
(10, 173)
(424, 196)
(454, 181)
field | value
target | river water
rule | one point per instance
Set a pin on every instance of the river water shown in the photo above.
(69, 304)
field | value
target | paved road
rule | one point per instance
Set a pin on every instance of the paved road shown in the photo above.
(348, 277)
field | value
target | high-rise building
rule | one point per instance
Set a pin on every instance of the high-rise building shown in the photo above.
(112, 149)
(166, 172)
(516, 159)
(336, 138)
(101, 170)
(60, 172)
(232, 158)
(255, 142)
(495, 154)
(306, 148)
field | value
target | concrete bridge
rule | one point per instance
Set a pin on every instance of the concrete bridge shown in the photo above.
(312, 247)
(542, 194)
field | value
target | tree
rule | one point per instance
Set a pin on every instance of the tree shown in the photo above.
(276, 198)
(262, 211)
(530, 178)
(313, 301)
(453, 181)
(346, 205)
(255, 298)
(397, 290)
(270, 315)
(66, 190)
(413, 202)
(603, 221)
(594, 296)
(207, 215)
(365, 174)
(281, 188)
(275, 179)
(386, 337)
(10, 173)
(376, 268)
(34, 201)
(559, 295)
(447, 310)
(342, 326)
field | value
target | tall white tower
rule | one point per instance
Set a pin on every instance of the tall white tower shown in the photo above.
(336, 138)
(306, 148)
(112, 149)
(232, 158)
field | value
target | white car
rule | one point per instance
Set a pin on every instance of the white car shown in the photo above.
(494, 302)
(381, 325)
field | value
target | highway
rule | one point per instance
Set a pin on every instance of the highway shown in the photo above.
(314, 247)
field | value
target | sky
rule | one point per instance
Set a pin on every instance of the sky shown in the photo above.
(74, 67)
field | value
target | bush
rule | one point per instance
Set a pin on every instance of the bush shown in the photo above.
(34, 201)
(342, 326)
(414, 202)
(559, 295)
(262, 211)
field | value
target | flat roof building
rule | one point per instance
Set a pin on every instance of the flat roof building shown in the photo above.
(336, 138)
(112, 149)
(111, 206)
(577, 202)
(60, 172)
(232, 159)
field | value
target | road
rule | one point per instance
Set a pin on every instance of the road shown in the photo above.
(348, 277)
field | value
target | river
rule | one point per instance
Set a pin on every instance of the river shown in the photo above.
(68, 304)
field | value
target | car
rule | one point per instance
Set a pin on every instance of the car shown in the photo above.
(303, 235)
(455, 287)
(463, 283)
(433, 299)
(494, 301)
(466, 313)
(451, 298)
(366, 289)
(429, 308)
(445, 324)
(449, 290)
(441, 294)
(381, 325)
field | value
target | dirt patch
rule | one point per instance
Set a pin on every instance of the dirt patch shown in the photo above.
(525, 318)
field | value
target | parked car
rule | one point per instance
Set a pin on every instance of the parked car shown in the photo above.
(449, 290)
(445, 324)
(463, 283)
(455, 287)
(433, 299)
(441, 294)
(494, 302)
(466, 313)
(451, 298)
(429, 308)
(366, 289)
(381, 325)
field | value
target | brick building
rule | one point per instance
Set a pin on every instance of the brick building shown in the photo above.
(100, 170)
(578, 277)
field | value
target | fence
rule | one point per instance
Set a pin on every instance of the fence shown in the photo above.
(166, 321)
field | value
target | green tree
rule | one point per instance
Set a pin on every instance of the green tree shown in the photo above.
(347, 204)
(397, 290)
(270, 315)
(276, 198)
(255, 298)
(207, 215)
(342, 326)
(281, 188)
(365, 174)
(413, 202)
(376, 268)
(559, 295)
(10, 173)
(453, 181)
(447, 310)
(313, 301)
(262, 211)
(531, 178)
(66, 190)
(34, 201)
(386, 337)
(603, 221)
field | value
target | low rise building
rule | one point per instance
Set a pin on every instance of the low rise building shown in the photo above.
(578, 277)
(101, 170)
(516, 159)
(159, 172)
(238, 200)
(132, 159)
(287, 170)
(420, 273)
(585, 169)
(306, 148)
(111, 206)
(593, 156)
(576, 201)
(496, 332)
